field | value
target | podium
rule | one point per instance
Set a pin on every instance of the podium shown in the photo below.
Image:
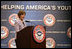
(25, 39)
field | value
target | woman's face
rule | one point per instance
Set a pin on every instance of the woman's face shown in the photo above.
(22, 16)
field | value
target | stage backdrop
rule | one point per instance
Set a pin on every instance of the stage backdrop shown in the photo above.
(35, 13)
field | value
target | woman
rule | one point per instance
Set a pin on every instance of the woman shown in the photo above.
(20, 24)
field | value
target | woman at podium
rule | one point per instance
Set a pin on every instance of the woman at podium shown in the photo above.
(20, 24)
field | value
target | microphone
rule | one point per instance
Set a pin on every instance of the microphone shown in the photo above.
(27, 21)
(30, 22)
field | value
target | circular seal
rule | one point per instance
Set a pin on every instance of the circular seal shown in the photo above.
(39, 33)
(13, 18)
(4, 32)
(69, 32)
(49, 20)
(50, 43)
(12, 43)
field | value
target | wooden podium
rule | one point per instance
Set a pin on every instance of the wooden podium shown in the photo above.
(25, 39)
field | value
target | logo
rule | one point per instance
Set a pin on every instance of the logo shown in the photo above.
(4, 32)
(50, 43)
(12, 43)
(13, 18)
(39, 33)
(69, 32)
(49, 20)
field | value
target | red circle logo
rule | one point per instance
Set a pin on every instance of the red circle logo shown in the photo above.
(4, 32)
(69, 32)
(50, 43)
(39, 33)
(12, 43)
(13, 18)
(49, 20)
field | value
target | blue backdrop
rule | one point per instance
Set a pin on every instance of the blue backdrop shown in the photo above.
(60, 38)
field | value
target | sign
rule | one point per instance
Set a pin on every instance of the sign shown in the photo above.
(50, 43)
(49, 20)
(12, 43)
(13, 18)
(4, 32)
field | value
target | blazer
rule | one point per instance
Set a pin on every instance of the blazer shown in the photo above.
(19, 25)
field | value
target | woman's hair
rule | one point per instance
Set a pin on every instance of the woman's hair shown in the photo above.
(21, 12)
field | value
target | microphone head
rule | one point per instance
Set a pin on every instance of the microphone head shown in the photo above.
(27, 21)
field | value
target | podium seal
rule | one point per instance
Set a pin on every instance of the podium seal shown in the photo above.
(39, 33)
